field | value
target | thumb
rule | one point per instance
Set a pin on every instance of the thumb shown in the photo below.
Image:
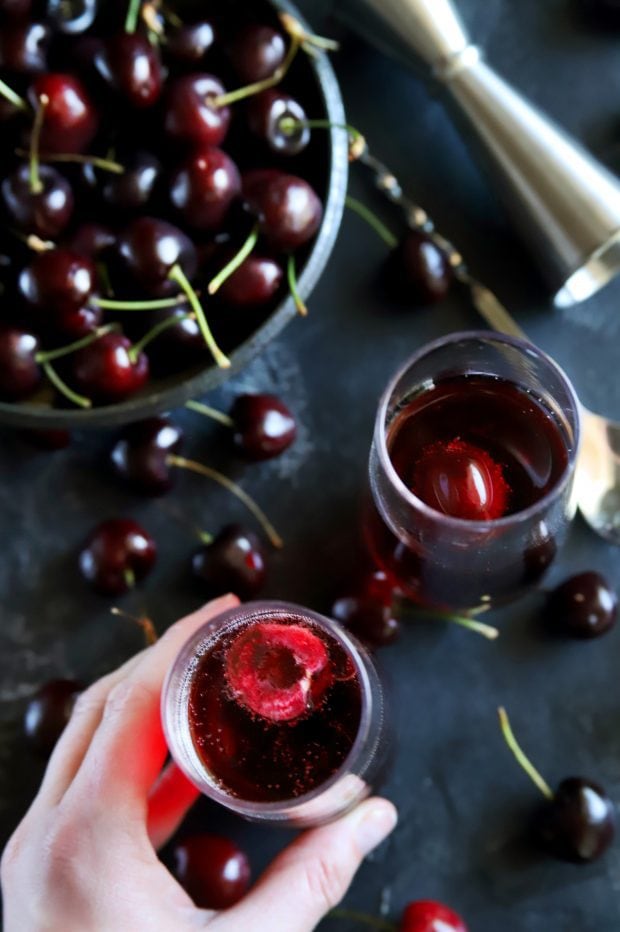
(313, 874)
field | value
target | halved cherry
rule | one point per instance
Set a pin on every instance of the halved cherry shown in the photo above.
(278, 671)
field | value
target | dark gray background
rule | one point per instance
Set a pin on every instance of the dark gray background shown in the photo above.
(462, 799)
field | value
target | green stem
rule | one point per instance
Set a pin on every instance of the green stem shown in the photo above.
(374, 921)
(158, 329)
(49, 355)
(478, 627)
(178, 275)
(36, 185)
(133, 13)
(130, 578)
(291, 272)
(232, 487)
(372, 220)
(521, 759)
(9, 94)
(216, 283)
(223, 100)
(109, 304)
(63, 388)
(357, 143)
(106, 165)
(208, 411)
(148, 628)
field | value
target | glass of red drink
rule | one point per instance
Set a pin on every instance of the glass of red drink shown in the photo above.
(471, 471)
(276, 713)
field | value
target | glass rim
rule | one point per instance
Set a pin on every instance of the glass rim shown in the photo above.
(380, 433)
(250, 611)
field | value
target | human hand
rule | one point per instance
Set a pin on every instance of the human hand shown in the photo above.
(84, 857)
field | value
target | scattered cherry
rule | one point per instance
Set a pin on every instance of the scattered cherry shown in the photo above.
(233, 562)
(130, 64)
(255, 282)
(420, 271)
(117, 554)
(461, 480)
(265, 113)
(70, 120)
(19, 372)
(212, 870)
(24, 47)
(45, 213)
(430, 916)
(584, 606)
(190, 114)
(276, 671)
(369, 611)
(150, 248)
(204, 186)
(105, 370)
(139, 455)
(190, 43)
(287, 209)
(256, 52)
(578, 824)
(48, 712)
(263, 425)
(58, 281)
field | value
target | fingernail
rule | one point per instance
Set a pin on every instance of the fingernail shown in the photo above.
(375, 824)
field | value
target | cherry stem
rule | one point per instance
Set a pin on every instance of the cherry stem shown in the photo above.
(49, 355)
(203, 536)
(240, 93)
(63, 388)
(232, 487)
(156, 331)
(357, 142)
(374, 921)
(110, 304)
(291, 272)
(372, 220)
(96, 161)
(175, 21)
(9, 94)
(36, 185)
(478, 627)
(216, 283)
(133, 15)
(148, 628)
(521, 759)
(296, 31)
(177, 275)
(208, 411)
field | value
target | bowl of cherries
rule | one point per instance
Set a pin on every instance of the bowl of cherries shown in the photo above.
(171, 186)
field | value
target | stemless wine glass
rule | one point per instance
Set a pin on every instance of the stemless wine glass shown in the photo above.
(455, 563)
(332, 753)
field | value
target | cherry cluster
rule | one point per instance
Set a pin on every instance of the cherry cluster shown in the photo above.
(147, 185)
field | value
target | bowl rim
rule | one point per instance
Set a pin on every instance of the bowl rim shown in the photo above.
(35, 416)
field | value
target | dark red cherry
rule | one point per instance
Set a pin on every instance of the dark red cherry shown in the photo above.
(150, 248)
(368, 619)
(134, 189)
(46, 213)
(180, 345)
(255, 282)
(265, 112)
(430, 916)
(212, 870)
(47, 438)
(105, 371)
(578, 824)
(139, 456)
(264, 427)
(72, 17)
(233, 562)
(204, 186)
(190, 114)
(256, 52)
(58, 281)
(24, 47)
(70, 121)
(116, 555)
(19, 372)
(48, 712)
(130, 64)
(15, 9)
(190, 43)
(287, 209)
(584, 606)
(420, 271)
(79, 323)
(92, 240)
(461, 480)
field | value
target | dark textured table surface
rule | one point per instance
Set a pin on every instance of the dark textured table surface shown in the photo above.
(461, 797)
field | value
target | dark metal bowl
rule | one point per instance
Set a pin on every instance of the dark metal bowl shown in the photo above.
(171, 392)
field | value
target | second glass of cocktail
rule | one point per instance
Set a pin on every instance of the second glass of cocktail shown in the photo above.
(471, 471)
